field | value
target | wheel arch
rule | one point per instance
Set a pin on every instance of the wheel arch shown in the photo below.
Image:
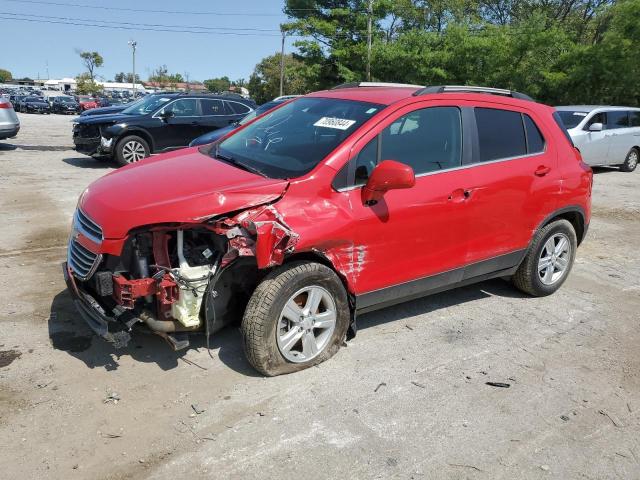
(138, 132)
(318, 257)
(573, 214)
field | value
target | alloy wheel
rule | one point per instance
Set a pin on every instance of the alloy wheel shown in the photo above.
(306, 324)
(133, 151)
(554, 259)
(632, 160)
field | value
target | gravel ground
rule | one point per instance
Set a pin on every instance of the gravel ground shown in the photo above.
(406, 399)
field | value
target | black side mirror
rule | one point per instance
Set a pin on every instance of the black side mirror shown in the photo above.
(166, 115)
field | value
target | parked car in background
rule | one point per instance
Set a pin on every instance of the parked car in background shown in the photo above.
(9, 123)
(337, 203)
(15, 100)
(34, 105)
(211, 137)
(64, 104)
(155, 124)
(87, 102)
(604, 135)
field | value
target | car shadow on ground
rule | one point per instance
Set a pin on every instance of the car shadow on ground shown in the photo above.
(68, 331)
(599, 170)
(439, 301)
(89, 162)
(7, 147)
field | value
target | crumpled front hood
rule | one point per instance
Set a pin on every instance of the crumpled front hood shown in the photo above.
(108, 118)
(181, 186)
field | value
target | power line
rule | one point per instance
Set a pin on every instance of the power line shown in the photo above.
(119, 27)
(71, 19)
(142, 10)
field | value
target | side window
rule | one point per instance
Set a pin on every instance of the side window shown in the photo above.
(238, 108)
(185, 107)
(427, 140)
(635, 118)
(366, 161)
(597, 118)
(500, 134)
(617, 119)
(535, 141)
(212, 107)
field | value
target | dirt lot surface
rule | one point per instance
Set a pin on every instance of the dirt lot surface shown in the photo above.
(406, 399)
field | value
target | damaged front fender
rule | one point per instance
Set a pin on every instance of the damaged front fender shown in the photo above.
(261, 233)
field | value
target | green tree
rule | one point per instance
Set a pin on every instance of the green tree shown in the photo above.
(5, 75)
(264, 83)
(85, 85)
(221, 84)
(163, 78)
(91, 61)
(126, 78)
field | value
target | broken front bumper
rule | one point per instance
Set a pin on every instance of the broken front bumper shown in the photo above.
(114, 329)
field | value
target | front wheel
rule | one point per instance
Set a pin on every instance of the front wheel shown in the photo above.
(131, 149)
(631, 162)
(548, 261)
(297, 317)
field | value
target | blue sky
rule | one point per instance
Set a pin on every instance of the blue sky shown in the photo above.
(28, 46)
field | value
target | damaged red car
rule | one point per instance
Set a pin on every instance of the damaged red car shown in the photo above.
(332, 205)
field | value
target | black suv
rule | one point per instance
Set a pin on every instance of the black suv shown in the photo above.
(159, 123)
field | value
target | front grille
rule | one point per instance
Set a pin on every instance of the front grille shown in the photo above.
(87, 226)
(83, 262)
(86, 131)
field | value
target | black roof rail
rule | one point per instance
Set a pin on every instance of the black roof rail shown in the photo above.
(374, 84)
(472, 89)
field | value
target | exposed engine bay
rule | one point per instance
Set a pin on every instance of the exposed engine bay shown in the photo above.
(174, 281)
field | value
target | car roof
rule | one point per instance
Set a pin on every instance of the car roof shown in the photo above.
(591, 108)
(381, 95)
(387, 95)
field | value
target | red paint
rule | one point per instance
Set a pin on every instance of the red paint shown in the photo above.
(87, 103)
(125, 292)
(445, 220)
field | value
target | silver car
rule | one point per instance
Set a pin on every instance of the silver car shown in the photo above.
(9, 123)
(604, 135)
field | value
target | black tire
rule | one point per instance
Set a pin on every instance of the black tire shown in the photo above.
(527, 277)
(631, 162)
(121, 155)
(259, 324)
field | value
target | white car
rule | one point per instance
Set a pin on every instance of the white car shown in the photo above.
(604, 135)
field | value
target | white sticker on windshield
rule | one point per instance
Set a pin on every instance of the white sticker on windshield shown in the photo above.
(165, 99)
(332, 122)
(579, 114)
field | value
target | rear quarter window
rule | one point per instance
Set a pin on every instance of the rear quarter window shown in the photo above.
(635, 118)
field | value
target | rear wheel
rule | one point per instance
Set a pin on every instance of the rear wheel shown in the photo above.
(297, 317)
(631, 162)
(548, 261)
(131, 149)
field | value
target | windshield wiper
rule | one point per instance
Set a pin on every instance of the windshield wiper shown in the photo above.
(234, 162)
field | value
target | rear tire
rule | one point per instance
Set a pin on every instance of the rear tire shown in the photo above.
(548, 261)
(631, 162)
(296, 318)
(131, 149)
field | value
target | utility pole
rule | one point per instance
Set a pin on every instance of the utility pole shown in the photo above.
(369, 15)
(282, 62)
(133, 45)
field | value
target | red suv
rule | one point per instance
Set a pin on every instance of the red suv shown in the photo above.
(334, 204)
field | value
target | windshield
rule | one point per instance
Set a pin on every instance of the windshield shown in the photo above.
(34, 99)
(293, 139)
(67, 100)
(571, 118)
(146, 105)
